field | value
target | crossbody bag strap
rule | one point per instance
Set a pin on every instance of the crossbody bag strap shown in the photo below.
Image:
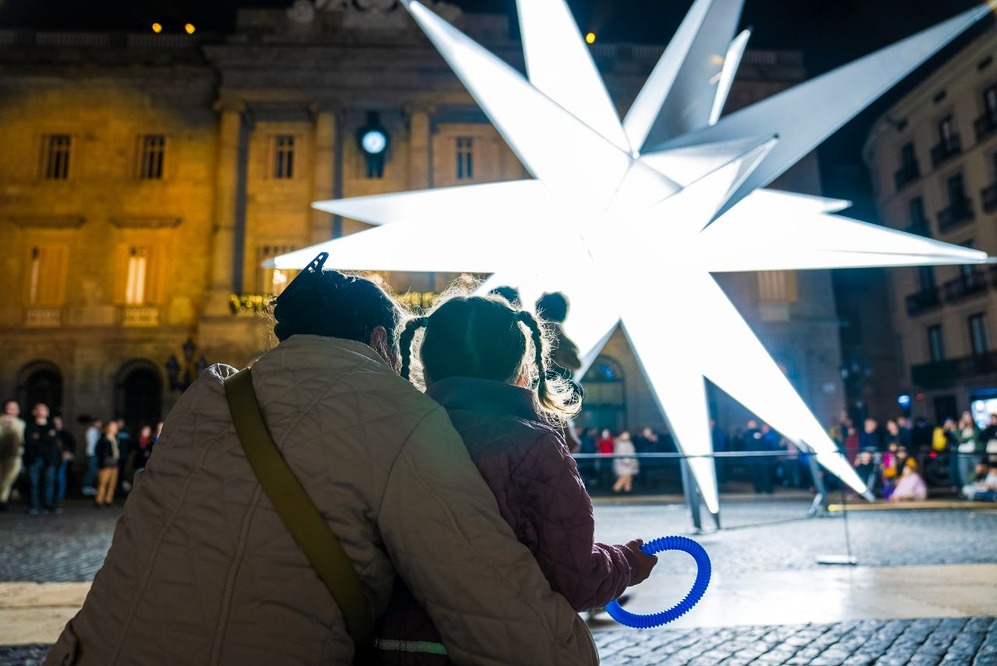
(297, 510)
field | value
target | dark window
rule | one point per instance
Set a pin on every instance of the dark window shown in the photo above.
(918, 219)
(283, 157)
(55, 158)
(152, 150)
(990, 101)
(936, 345)
(946, 130)
(957, 190)
(926, 277)
(978, 338)
(465, 158)
(908, 159)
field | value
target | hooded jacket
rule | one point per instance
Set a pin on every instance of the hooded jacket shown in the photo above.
(202, 570)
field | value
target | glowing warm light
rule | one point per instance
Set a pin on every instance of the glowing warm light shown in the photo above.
(189, 28)
(157, 28)
(590, 38)
(655, 203)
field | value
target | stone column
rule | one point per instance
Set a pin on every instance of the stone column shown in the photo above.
(420, 162)
(324, 172)
(226, 194)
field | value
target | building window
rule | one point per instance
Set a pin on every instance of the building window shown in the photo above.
(47, 275)
(936, 345)
(908, 160)
(273, 280)
(978, 339)
(151, 152)
(465, 158)
(136, 275)
(956, 187)
(56, 152)
(777, 287)
(926, 278)
(946, 130)
(990, 102)
(283, 156)
(918, 220)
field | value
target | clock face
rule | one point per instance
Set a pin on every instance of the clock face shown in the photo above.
(374, 141)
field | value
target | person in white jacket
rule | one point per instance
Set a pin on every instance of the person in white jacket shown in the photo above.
(202, 570)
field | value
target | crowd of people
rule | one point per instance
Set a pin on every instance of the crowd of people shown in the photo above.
(890, 459)
(40, 461)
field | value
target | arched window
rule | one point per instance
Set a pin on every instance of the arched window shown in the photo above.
(138, 394)
(605, 404)
(40, 381)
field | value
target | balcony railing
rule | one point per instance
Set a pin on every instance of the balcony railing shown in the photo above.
(966, 285)
(43, 317)
(989, 196)
(943, 374)
(946, 150)
(923, 301)
(958, 213)
(906, 174)
(985, 125)
(140, 315)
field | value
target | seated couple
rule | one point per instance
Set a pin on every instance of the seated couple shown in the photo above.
(473, 550)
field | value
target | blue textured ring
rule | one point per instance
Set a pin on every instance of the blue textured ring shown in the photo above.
(695, 594)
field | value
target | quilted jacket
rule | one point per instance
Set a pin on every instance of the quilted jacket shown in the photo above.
(202, 570)
(540, 494)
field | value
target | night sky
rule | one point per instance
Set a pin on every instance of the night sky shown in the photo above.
(829, 32)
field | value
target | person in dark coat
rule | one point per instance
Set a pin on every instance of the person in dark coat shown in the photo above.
(41, 459)
(481, 359)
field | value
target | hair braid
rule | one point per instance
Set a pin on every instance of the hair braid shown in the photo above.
(539, 357)
(405, 342)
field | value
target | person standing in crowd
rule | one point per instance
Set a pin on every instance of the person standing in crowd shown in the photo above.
(92, 436)
(11, 449)
(605, 444)
(67, 453)
(969, 447)
(625, 465)
(988, 438)
(143, 448)
(871, 437)
(124, 438)
(203, 569)
(41, 457)
(479, 356)
(867, 470)
(108, 457)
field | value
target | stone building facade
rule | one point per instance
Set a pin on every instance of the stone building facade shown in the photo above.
(144, 178)
(933, 158)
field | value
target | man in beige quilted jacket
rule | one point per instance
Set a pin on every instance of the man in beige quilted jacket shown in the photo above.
(203, 571)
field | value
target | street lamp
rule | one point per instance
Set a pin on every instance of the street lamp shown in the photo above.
(182, 375)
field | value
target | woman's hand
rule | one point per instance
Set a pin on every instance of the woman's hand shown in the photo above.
(645, 562)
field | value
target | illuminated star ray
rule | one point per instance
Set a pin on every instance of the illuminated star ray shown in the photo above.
(607, 225)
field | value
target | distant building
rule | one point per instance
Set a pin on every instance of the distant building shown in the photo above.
(933, 157)
(145, 177)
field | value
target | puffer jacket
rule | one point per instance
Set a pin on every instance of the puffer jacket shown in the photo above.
(203, 571)
(527, 465)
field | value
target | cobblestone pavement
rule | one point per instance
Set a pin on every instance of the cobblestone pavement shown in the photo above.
(759, 536)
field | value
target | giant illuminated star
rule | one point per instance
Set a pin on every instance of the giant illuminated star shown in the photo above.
(631, 219)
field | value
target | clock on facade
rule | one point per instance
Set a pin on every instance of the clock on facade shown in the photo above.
(374, 141)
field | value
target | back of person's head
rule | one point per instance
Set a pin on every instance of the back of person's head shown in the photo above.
(510, 294)
(328, 303)
(486, 338)
(553, 307)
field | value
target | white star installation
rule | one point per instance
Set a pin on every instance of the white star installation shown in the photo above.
(630, 219)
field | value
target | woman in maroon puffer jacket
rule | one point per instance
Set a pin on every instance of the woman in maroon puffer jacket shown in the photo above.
(477, 362)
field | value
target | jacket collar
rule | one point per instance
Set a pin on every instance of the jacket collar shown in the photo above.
(483, 395)
(317, 342)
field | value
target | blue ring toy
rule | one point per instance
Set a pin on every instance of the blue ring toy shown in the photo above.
(695, 594)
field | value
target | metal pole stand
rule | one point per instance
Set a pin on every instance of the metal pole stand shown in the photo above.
(819, 505)
(692, 496)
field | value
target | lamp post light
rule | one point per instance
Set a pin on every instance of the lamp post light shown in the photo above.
(182, 375)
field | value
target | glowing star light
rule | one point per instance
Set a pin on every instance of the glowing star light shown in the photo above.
(658, 202)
